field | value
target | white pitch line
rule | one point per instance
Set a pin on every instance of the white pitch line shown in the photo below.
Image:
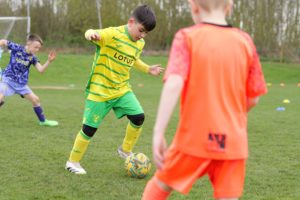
(48, 87)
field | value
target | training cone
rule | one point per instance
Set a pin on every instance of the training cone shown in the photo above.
(280, 108)
(286, 101)
(140, 85)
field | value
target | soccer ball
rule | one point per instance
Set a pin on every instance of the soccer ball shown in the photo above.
(137, 165)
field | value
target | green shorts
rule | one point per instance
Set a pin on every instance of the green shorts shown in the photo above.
(94, 112)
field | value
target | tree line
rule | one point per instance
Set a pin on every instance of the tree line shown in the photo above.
(273, 24)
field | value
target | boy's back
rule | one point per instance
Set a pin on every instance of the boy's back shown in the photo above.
(216, 70)
(215, 61)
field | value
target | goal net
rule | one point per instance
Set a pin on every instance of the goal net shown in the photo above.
(14, 28)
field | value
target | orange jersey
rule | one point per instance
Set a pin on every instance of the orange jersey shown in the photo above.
(221, 69)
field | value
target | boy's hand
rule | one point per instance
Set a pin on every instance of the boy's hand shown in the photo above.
(51, 56)
(156, 70)
(95, 36)
(92, 35)
(159, 149)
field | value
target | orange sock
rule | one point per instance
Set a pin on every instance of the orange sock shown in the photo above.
(153, 191)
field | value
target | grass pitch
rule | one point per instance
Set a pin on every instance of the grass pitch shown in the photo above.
(33, 157)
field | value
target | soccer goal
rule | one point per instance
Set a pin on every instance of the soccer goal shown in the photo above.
(14, 28)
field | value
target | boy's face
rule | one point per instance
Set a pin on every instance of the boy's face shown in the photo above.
(136, 30)
(33, 46)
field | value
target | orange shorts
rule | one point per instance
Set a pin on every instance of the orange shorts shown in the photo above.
(181, 171)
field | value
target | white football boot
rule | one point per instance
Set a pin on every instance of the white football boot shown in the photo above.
(123, 154)
(74, 167)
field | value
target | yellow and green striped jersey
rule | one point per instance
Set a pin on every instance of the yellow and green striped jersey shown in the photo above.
(116, 53)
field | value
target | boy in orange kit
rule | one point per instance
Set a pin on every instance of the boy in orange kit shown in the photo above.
(216, 69)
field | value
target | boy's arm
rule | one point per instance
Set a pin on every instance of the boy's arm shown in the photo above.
(92, 35)
(251, 102)
(168, 100)
(256, 85)
(42, 68)
(154, 70)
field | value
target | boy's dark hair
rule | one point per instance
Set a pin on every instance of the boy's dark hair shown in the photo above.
(145, 16)
(34, 37)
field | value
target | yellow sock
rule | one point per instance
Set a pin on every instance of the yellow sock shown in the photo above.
(80, 145)
(132, 135)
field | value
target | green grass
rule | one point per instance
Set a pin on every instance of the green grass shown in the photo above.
(33, 157)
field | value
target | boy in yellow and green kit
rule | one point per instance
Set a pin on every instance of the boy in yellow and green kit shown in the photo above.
(118, 49)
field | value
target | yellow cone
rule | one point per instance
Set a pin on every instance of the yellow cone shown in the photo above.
(286, 101)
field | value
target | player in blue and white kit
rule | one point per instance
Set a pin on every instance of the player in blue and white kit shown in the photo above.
(15, 76)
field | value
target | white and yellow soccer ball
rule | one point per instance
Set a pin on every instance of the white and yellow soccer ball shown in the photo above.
(138, 165)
